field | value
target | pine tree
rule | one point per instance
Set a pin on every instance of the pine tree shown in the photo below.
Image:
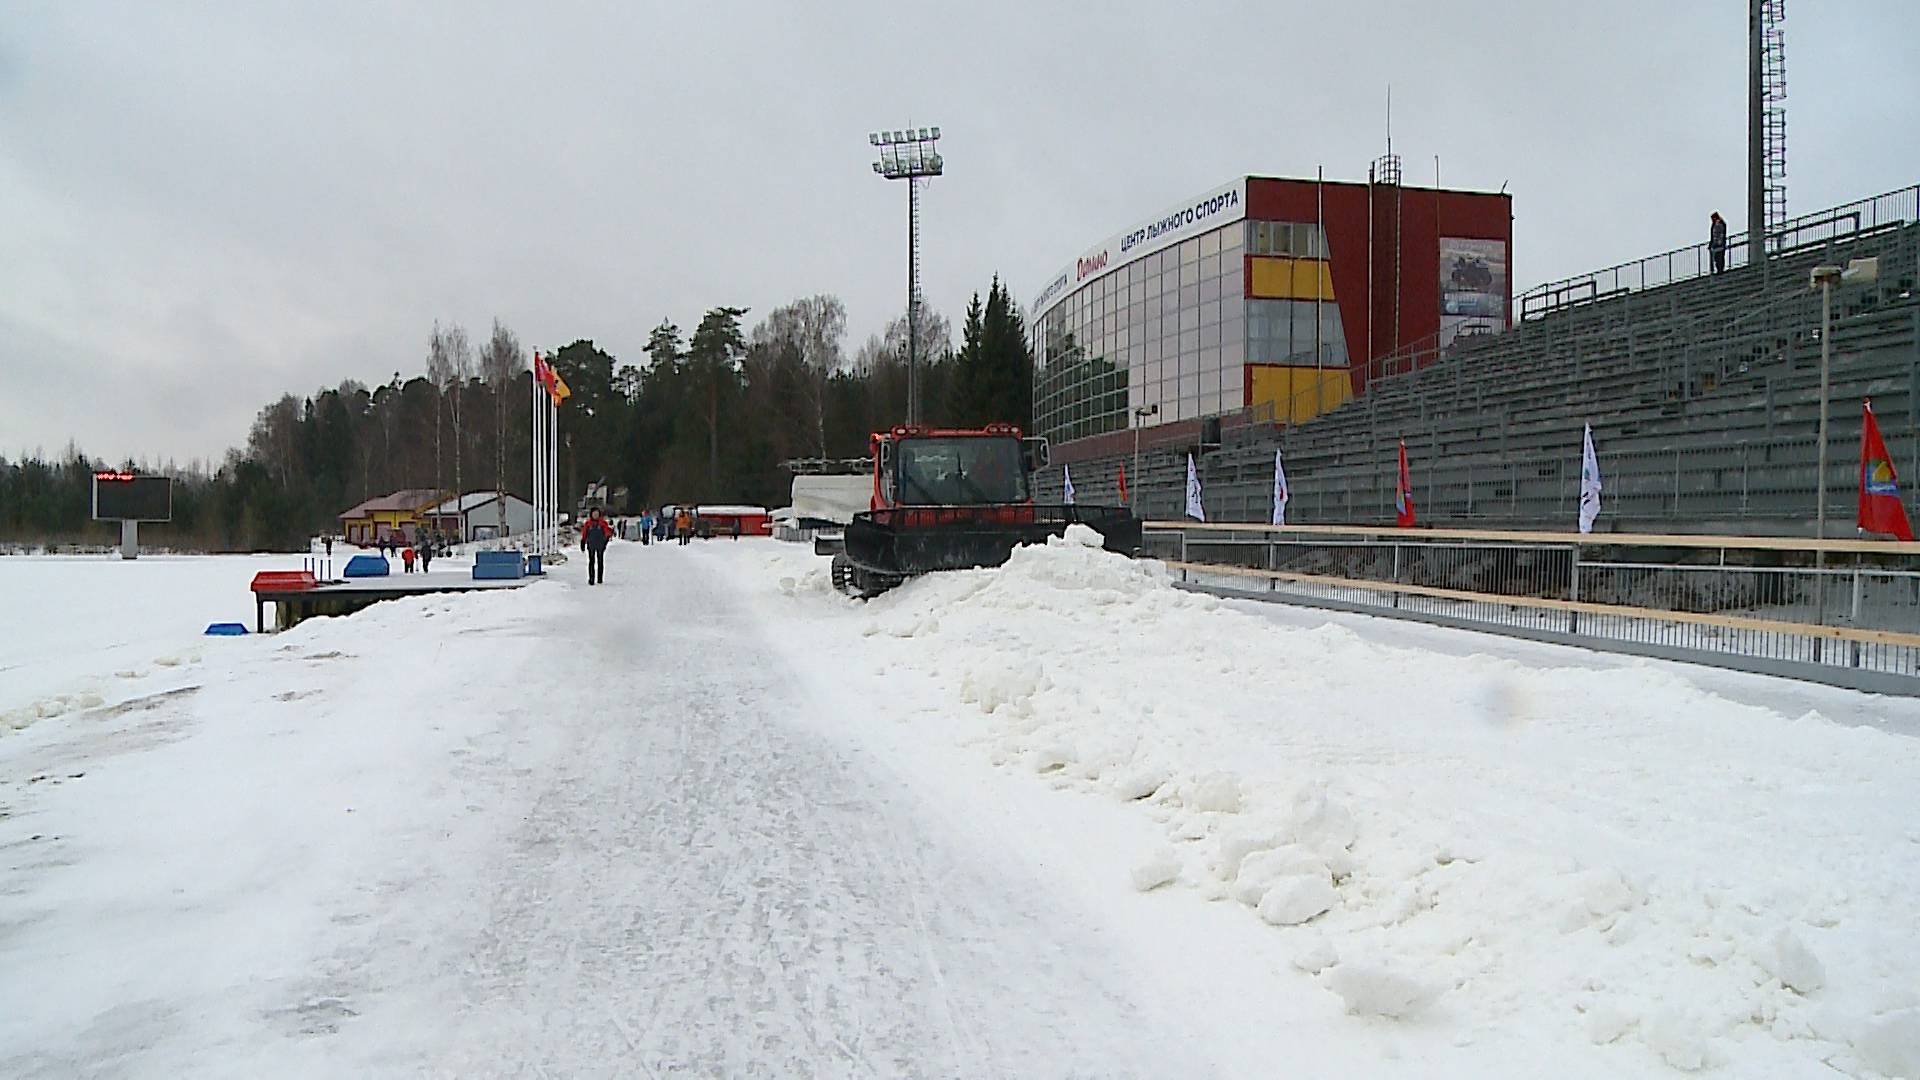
(713, 357)
(967, 404)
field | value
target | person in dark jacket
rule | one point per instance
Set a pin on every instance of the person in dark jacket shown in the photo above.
(426, 553)
(1717, 242)
(595, 533)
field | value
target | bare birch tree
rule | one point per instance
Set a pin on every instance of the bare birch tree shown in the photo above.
(439, 373)
(815, 328)
(450, 367)
(500, 365)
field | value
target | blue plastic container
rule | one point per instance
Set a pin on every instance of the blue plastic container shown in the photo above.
(226, 629)
(534, 568)
(366, 566)
(497, 566)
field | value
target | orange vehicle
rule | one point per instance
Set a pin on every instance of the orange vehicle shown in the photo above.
(952, 499)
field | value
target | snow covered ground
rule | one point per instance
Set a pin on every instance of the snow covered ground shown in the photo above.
(1056, 819)
(73, 624)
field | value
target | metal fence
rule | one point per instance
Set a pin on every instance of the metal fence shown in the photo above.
(1852, 219)
(1839, 611)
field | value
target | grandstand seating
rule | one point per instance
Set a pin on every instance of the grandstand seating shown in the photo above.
(1703, 395)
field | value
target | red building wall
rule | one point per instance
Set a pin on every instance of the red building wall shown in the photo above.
(1425, 215)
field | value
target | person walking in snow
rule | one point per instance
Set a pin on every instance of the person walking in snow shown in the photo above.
(1717, 242)
(406, 557)
(426, 554)
(595, 533)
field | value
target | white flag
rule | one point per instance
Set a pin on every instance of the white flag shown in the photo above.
(1066, 472)
(1194, 510)
(1279, 491)
(1589, 483)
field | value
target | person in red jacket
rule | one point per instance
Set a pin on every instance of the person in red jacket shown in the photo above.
(595, 532)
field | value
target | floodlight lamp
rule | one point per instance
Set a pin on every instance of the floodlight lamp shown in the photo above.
(936, 133)
(899, 136)
(923, 134)
(878, 169)
(873, 138)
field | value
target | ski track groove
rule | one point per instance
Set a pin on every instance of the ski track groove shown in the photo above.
(702, 888)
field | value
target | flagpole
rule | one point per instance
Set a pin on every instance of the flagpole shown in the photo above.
(540, 460)
(546, 481)
(533, 457)
(553, 468)
(553, 488)
(540, 470)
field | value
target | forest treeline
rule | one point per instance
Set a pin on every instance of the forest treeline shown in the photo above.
(702, 415)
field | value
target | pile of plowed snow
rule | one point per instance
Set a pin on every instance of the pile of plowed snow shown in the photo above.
(1609, 850)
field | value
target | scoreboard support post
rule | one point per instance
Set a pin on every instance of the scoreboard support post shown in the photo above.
(129, 539)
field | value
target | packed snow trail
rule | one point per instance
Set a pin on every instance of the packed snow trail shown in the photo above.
(569, 832)
(704, 889)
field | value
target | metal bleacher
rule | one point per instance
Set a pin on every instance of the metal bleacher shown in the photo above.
(1702, 389)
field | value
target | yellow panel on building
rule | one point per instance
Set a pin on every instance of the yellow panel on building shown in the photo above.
(1296, 394)
(1281, 278)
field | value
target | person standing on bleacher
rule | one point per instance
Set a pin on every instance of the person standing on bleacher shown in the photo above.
(1717, 242)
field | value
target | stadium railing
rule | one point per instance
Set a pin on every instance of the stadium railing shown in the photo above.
(1838, 611)
(1901, 206)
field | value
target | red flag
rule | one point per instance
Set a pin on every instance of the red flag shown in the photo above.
(542, 374)
(1123, 485)
(1880, 507)
(1403, 493)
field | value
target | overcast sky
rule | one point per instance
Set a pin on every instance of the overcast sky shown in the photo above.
(204, 206)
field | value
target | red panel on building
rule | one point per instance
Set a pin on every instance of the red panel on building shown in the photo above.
(1366, 263)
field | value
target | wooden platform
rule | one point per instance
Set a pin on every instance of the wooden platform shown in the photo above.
(292, 605)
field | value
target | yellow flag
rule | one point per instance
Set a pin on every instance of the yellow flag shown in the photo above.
(559, 390)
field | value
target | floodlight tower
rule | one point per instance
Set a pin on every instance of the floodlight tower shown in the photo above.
(1766, 126)
(910, 155)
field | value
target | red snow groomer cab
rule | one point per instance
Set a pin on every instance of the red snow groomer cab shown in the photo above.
(947, 499)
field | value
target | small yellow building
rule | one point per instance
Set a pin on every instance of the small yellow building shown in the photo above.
(396, 516)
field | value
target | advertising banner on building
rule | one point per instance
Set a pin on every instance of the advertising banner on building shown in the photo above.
(1473, 286)
(1221, 206)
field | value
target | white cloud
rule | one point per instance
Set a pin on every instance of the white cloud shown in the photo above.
(221, 203)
